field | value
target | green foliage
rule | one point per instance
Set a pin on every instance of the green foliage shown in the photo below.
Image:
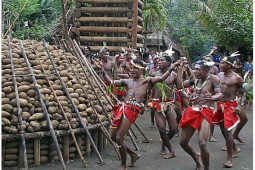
(231, 22)
(192, 35)
(40, 15)
(155, 17)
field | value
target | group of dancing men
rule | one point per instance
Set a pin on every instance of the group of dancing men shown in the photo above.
(187, 99)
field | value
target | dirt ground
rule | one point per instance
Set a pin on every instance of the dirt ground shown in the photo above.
(152, 160)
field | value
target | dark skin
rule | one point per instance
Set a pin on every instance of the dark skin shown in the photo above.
(170, 116)
(205, 96)
(108, 64)
(231, 85)
(137, 88)
(213, 70)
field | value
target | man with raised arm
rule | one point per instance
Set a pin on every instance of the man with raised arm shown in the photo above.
(199, 116)
(163, 102)
(228, 108)
(125, 113)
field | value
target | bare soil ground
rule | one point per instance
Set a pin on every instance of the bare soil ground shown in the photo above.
(150, 152)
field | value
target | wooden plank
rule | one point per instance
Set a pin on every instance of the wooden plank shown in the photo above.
(87, 146)
(66, 148)
(104, 19)
(21, 156)
(104, 29)
(11, 137)
(95, 137)
(100, 140)
(135, 22)
(101, 39)
(37, 151)
(111, 48)
(103, 10)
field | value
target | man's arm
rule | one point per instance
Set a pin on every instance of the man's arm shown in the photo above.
(241, 91)
(216, 88)
(165, 75)
(180, 83)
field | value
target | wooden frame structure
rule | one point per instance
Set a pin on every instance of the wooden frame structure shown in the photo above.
(119, 23)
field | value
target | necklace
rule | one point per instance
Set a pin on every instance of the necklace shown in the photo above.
(203, 85)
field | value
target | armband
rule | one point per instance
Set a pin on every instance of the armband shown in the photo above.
(241, 103)
(170, 70)
(122, 83)
(103, 72)
(151, 81)
(216, 86)
(191, 82)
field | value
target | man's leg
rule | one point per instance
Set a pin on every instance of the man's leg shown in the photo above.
(122, 131)
(161, 124)
(203, 135)
(243, 120)
(186, 134)
(211, 138)
(229, 143)
(152, 117)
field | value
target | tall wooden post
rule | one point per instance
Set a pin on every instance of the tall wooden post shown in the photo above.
(135, 22)
(64, 9)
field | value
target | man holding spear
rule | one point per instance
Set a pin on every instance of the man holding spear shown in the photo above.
(125, 113)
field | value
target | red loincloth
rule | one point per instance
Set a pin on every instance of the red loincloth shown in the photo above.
(229, 117)
(131, 113)
(195, 118)
(178, 98)
(119, 92)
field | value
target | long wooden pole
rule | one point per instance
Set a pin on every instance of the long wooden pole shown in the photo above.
(64, 114)
(93, 106)
(64, 10)
(73, 104)
(45, 111)
(135, 22)
(22, 132)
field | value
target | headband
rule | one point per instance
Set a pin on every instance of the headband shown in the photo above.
(135, 65)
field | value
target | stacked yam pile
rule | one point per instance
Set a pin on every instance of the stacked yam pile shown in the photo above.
(31, 109)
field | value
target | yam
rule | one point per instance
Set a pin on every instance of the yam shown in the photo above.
(31, 93)
(89, 111)
(90, 97)
(5, 114)
(99, 109)
(6, 121)
(36, 116)
(82, 107)
(5, 101)
(23, 95)
(8, 89)
(74, 95)
(23, 88)
(25, 115)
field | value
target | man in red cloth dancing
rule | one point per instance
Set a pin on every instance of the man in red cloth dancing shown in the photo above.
(199, 116)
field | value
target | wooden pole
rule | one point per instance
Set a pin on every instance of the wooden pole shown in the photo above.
(45, 111)
(72, 102)
(64, 10)
(135, 22)
(22, 132)
(37, 151)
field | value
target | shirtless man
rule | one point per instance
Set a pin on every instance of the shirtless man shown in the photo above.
(137, 87)
(213, 70)
(165, 108)
(199, 116)
(228, 108)
(108, 65)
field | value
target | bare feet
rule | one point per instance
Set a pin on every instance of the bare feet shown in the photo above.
(199, 165)
(163, 152)
(235, 151)
(123, 167)
(152, 125)
(228, 164)
(134, 158)
(224, 148)
(238, 139)
(171, 155)
(212, 139)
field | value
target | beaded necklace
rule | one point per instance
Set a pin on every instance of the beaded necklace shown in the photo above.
(203, 85)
